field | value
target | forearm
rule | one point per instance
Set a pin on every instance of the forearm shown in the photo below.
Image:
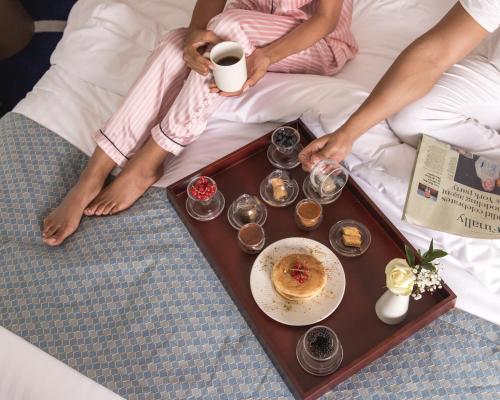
(302, 37)
(417, 69)
(204, 11)
(412, 75)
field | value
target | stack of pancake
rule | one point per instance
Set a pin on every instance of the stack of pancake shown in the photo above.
(298, 277)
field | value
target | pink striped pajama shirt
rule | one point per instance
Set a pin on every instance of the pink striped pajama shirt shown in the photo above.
(173, 104)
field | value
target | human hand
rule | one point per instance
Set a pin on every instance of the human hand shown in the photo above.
(196, 41)
(257, 64)
(335, 146)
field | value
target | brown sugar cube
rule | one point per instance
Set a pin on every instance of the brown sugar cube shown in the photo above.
(351, 240)
(279, 191)
(351, 231)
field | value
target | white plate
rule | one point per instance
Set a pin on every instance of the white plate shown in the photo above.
(301, 313)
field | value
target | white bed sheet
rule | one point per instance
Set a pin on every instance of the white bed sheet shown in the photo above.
(106, 43)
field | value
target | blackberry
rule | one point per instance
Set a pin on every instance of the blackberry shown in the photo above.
(285, 138)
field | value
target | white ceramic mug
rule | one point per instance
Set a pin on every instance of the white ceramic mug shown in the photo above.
(229, 78)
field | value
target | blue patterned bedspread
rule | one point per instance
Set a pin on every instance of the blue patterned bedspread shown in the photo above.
(131, 302)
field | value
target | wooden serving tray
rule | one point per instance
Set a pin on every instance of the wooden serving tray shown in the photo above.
(363, 336)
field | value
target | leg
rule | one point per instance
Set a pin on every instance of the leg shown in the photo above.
(64, 220)
(461, 109)
(142, 171)
(125, 132)
(129, 129)
(147, 101)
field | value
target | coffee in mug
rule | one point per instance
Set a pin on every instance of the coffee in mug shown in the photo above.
(230, 68)
(229, 60)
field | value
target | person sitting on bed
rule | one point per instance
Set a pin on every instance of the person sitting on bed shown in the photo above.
(168, 106)
(424, 92)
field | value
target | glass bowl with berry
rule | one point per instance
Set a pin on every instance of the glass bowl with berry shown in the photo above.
(285, 148)
(319, 351)
(205, 201)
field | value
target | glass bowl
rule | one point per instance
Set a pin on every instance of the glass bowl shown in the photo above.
(246, 209)
(319, 351)
(205, 201)
(325, 182)
(278, 189)
(283, 152)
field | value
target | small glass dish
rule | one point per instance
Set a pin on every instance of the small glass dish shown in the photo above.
(308, 214)
(245, 209)
(319, 351)
(325, 182)
(283, 152)
(278, 189)
(251, 238)
(205, 201)
(337, 242)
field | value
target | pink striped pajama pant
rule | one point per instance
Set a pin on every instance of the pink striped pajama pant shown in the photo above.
(172, 104)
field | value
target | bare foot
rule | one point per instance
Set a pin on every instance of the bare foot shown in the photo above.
(144, 169)
(124, 191)
(65, 219)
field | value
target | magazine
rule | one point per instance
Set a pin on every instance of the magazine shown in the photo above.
(454, 191)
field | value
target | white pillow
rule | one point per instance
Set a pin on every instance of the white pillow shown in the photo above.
(107, 43)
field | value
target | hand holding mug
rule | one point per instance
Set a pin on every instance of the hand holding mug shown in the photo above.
(256, 65)
(196, 41)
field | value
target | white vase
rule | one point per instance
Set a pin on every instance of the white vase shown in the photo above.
(392, 308)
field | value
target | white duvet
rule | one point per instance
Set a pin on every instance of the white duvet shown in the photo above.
(107, 42)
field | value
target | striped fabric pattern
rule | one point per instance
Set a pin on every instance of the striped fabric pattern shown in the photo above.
(173, 104)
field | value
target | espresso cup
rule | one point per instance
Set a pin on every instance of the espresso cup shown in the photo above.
(230, 67)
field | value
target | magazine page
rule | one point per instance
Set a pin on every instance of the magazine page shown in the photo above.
(454, 191)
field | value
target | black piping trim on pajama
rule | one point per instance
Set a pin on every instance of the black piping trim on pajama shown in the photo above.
(114, 145)
(169, 138)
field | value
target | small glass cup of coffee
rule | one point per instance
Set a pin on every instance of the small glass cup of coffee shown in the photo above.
(319, 351)
(251, 238)
(308, 214)
(285, 147)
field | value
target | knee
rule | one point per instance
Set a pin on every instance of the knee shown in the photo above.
(172, 43)
(408, 123)
(227, 22)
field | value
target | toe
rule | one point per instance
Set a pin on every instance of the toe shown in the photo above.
(49, 232)
(92, 207)
(61, 235)
(118, 208)
(100, 208)
(108, 207)
(47, 225)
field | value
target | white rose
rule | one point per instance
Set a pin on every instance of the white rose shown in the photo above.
(399, 277)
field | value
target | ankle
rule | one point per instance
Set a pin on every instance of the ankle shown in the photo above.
(92, 179)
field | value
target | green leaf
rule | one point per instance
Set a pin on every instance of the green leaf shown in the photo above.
(410, 257)
(436, 254)
(429, 251)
